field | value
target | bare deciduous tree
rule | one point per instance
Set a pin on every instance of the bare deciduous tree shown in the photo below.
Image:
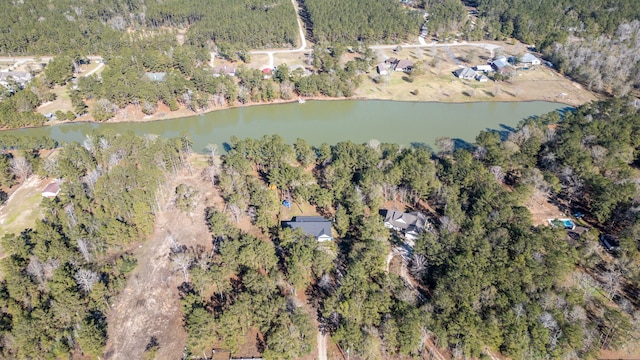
(418, 264)
(612, 282)
(35, 269)
(448, 224)
(86, 279)
(182, 261)
(235, 211)
(83, 247)
(21, 168)
(498, 173)
(445, 144)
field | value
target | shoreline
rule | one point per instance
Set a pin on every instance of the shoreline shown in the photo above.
(184, 113)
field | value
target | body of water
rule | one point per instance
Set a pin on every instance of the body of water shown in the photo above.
(325, 121)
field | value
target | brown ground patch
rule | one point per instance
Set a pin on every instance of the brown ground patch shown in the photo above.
(630, 352)
(542, 209)
(149, 304)
(62, 102)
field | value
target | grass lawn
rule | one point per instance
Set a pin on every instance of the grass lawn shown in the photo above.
(23, 207)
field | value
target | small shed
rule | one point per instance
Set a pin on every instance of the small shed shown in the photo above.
(52, 190)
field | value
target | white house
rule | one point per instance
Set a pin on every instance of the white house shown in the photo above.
(482, 78)
(483, 68)
(52, 190)
(404, 66)
(382, 69)
(529, 58)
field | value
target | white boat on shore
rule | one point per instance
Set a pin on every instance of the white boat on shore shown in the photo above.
(301, 100)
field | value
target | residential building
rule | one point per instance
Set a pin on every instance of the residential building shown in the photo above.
(531, 59)
(316, 226)
(22, 78)
(482, 78)
(224, 70)
(382, 69)
(465, 73)
(500, 64)
(404, 66)
(52, 190)
(483, 68)
(409, 224)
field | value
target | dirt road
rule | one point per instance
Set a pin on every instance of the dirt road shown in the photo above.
(322, 346)
(149, 305)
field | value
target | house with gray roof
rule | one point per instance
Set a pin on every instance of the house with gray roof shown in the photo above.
(409, 224)
(224, 70)
(529, 58)
(500, 64)
(22, 78)
(403, 65)
(315, 226)
(465, 73)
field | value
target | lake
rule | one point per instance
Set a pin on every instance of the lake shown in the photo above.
(406, 123)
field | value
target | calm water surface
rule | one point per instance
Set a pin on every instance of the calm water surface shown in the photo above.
(326, 121)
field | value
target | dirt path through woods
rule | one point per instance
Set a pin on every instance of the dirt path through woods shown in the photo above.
(149, 305)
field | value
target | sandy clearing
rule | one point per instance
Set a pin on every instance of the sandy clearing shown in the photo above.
(149, 305)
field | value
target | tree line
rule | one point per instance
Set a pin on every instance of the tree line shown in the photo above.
(45, 27)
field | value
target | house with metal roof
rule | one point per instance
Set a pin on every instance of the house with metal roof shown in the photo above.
(315, 226)
(500, 64)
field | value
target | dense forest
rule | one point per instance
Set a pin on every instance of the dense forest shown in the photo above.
(60, 276)
(370, 21)
(480, 277)
(38, 27)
